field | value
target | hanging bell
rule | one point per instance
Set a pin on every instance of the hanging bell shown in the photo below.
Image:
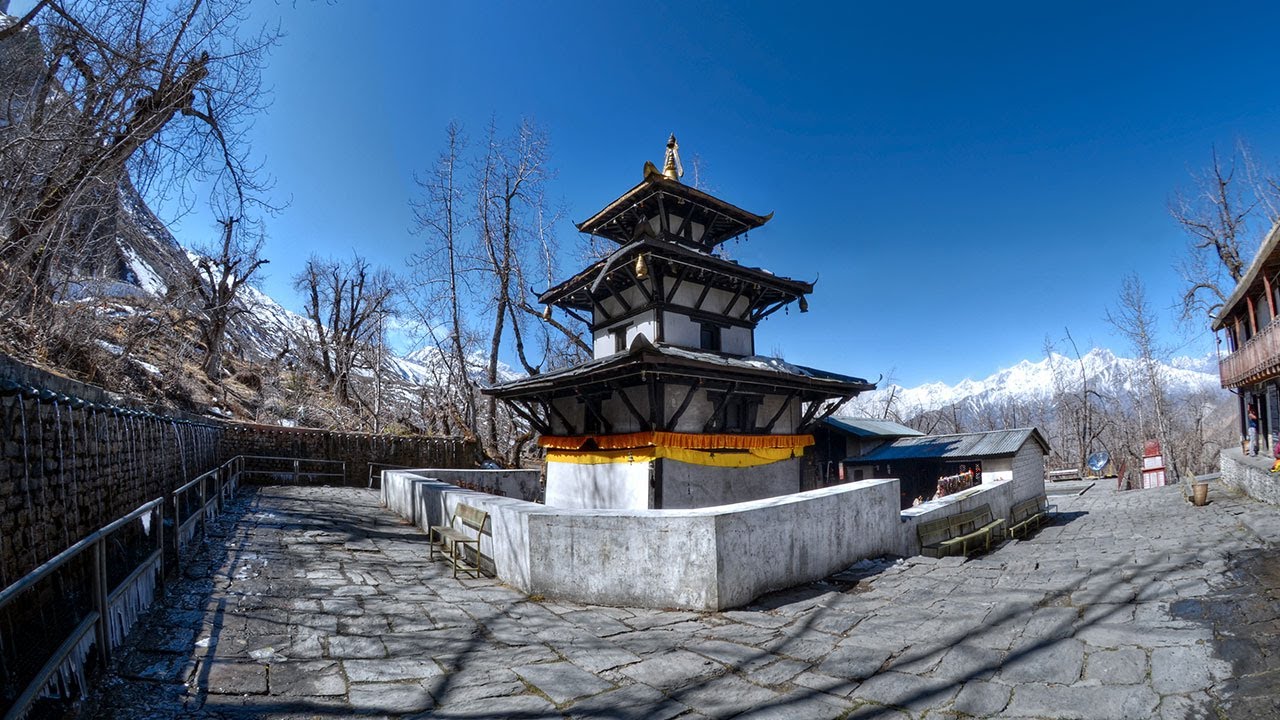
(642, 268)
(804, 304)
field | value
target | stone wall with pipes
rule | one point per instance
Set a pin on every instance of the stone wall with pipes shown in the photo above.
(76, 457)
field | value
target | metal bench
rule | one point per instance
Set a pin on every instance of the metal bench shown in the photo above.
(1027, 515)
(959, 534)
(452, 543)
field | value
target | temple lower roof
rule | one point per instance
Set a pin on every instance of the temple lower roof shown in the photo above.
(646, 361)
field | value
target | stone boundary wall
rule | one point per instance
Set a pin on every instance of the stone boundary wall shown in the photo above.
(1256, 482)
(357, 450)
(518, 484)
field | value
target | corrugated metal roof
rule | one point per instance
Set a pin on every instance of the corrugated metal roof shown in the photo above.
(997, 443)
(869, 428)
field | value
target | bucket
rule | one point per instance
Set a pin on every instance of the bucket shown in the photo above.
(1200, 493)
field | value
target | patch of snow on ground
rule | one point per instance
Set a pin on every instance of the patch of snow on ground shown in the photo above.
(148, 367)
(147, 277)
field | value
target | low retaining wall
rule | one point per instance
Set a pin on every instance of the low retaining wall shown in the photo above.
(699, 559)
(1000, 495)
(1249, 475)
(518, 484)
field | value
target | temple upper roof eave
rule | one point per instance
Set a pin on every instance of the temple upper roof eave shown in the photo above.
(595, 224)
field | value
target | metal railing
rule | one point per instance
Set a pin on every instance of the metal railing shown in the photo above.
(375, 472)
(114, 609)
(111, 586)
(292, 470)
(201, 500)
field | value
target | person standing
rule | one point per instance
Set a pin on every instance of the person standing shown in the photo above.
(1253, 430)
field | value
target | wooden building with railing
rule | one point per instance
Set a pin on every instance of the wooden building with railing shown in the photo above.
(1248, 322)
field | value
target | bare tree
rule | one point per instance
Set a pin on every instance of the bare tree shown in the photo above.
(1133, 317)
(1218, 216)
(220, 274)
(345, 302)
(442, 270)
(488, 240)
(93, 89)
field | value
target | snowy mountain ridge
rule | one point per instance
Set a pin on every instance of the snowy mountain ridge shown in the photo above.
(1029, 381)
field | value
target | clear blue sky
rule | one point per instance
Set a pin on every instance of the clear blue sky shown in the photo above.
(962, 178)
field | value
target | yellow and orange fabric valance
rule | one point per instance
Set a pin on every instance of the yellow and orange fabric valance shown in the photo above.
(691, 441)
(716, 450)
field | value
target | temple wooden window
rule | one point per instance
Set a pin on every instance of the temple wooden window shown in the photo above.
(709, 337)
(592, 411)
(619, 335)
(737, 414)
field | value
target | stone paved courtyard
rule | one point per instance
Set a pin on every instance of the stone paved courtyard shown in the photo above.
(317, 603)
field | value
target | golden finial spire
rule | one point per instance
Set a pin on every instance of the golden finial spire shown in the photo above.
(672, 168)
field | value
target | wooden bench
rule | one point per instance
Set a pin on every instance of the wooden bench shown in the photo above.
(959, 534)
(1027, 516)
(451, 542)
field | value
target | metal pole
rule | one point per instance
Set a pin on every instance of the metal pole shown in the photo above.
(177, 529)
(160, 537)
(203, 500)
(100, 601)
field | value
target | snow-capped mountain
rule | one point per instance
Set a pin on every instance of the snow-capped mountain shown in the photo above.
(1105, 372)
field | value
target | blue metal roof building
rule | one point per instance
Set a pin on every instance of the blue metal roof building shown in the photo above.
(961, 446)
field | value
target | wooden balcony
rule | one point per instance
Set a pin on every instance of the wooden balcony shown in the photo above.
(1257, 360)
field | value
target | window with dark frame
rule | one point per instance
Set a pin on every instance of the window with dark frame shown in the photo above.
(619, 335)
(592, 408)
(738, 414)
(709, 337)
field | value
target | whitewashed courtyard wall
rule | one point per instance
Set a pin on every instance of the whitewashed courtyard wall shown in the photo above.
(698, 559)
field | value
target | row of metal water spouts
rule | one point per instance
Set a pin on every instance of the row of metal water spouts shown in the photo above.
(11, 387)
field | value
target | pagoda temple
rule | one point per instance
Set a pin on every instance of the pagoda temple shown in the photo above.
(676, 409)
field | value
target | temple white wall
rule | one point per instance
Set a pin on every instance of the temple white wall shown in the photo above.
(620, 485)
(682, 330)
(715, 302)
(645, 323)
(685, 485)
(692, 421)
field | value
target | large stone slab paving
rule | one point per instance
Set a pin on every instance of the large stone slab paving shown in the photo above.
(562, 682)
(316, 603)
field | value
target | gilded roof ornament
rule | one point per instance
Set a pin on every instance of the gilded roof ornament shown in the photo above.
(672, 168)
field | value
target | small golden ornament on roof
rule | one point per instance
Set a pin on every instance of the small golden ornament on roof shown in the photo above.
(672, 168)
